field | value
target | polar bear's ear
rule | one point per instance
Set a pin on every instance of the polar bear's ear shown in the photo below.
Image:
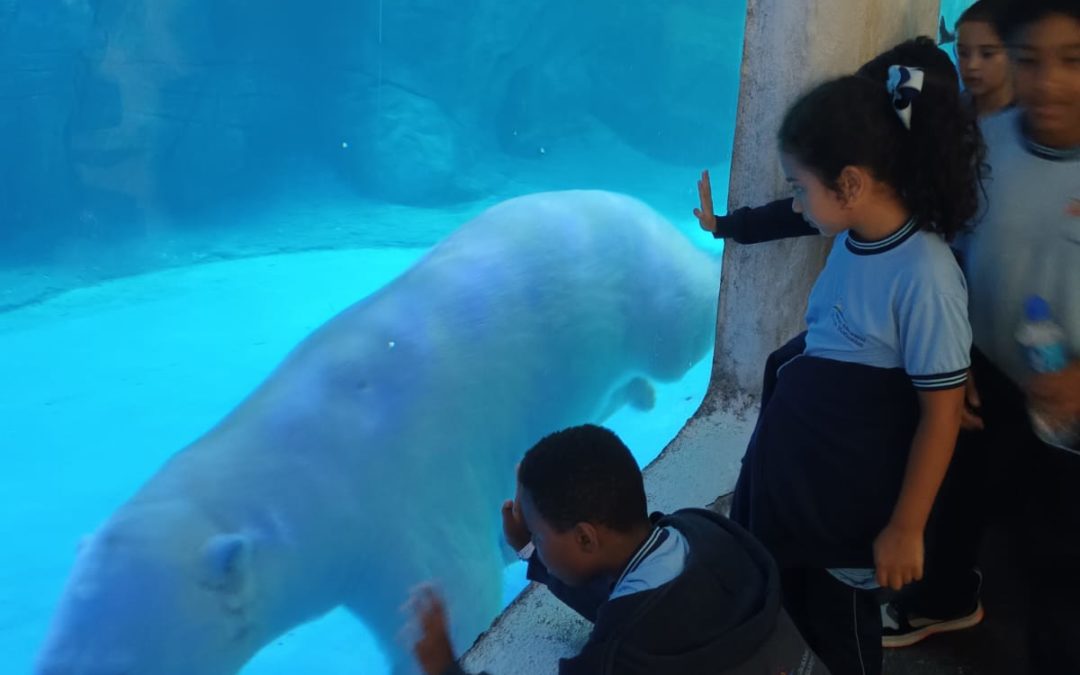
(226, 563)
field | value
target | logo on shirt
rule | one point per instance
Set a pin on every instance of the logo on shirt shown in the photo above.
(842, 326)
(1073, 209)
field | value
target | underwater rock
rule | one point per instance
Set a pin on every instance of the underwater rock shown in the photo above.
(41, 46)
(411, 152)
(659, 77)
(143, 112)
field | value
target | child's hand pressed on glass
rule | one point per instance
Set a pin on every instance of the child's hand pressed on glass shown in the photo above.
(704, 214)
(433, 649)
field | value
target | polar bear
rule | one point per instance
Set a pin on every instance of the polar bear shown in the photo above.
(376, 455)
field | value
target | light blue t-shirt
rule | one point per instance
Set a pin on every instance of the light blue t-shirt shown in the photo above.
(896, 303)
(1027, 242)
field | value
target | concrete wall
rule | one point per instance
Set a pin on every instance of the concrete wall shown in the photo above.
(789, 46)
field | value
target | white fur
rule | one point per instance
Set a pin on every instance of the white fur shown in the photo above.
(377, 454)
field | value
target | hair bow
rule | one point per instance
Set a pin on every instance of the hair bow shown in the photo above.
(905, 84)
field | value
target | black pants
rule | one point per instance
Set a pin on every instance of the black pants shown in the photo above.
(840, 623)
(1006, 475)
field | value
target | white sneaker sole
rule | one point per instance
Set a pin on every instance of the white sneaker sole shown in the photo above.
(916, 636)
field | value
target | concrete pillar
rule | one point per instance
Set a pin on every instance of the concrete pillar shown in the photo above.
(789, 46)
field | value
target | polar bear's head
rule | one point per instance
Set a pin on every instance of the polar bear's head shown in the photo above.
(155, 592)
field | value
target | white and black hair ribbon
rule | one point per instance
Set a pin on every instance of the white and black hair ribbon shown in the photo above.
(905, 84)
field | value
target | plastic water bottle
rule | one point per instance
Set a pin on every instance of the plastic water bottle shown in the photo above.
(1046, 350)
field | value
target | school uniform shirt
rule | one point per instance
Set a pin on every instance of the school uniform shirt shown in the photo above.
(900, 302)
(699, 597)
(1026, 242)
(827, 458)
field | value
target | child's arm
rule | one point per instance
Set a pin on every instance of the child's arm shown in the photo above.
(585, 600)
(759, 224)
(747, 225)
(898, 550)
(1058, 393)
(432, 649)
(935, 341)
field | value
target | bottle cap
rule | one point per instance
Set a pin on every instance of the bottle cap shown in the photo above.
(1036, 308)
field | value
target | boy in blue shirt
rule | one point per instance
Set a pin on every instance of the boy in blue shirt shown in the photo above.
(1026, 243)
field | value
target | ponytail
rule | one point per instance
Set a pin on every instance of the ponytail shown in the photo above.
(935, 166)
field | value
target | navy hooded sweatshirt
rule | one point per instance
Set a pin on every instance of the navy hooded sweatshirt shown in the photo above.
(720, 616)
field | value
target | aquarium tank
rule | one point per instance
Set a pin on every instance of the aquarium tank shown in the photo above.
(193, 194)
(287, 288)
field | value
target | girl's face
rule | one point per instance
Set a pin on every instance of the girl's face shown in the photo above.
(820, 206)
(983, 60)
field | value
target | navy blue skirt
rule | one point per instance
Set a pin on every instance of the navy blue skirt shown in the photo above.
(824, 466)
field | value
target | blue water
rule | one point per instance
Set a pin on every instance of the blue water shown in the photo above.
(187, 190)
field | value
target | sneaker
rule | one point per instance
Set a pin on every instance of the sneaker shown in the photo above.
(903, 629)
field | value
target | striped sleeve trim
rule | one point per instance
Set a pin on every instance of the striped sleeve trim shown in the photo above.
(951, 380)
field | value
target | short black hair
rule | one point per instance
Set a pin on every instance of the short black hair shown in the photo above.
(921, 52)
(584, 474)
(983, 11)
(1016, 15)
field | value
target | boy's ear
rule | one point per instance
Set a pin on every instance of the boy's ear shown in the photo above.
(585, 536)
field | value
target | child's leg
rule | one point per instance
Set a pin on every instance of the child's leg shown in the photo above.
(793, 594)
(846, 623)
(842, 625)
(1053, 559)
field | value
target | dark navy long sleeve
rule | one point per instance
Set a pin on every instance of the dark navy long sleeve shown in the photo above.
(755, 225)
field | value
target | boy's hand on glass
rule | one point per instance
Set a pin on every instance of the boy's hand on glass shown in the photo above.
(514, 529)
(898, 556)
(432, 649)
(704, 214)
